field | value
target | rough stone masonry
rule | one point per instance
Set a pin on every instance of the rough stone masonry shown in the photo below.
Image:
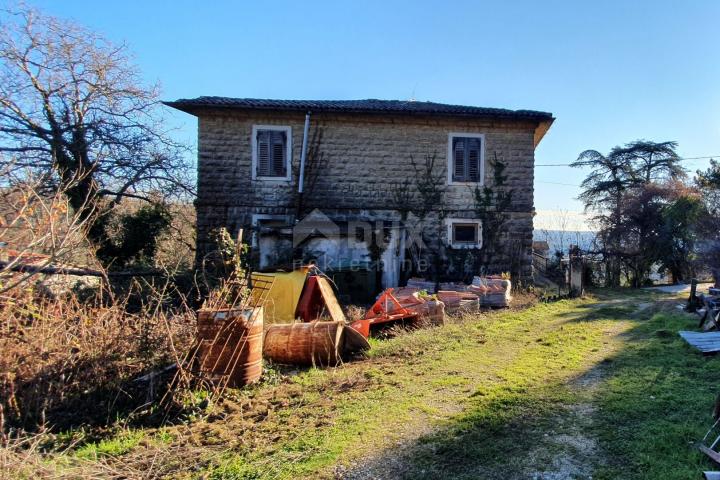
(370, 172)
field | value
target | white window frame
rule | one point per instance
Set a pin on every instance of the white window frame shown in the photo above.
(288, 152)
(259, 217)
(450, 222)
(451, 158)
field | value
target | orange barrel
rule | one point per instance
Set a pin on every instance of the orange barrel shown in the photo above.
(230, 345)
(314, 343)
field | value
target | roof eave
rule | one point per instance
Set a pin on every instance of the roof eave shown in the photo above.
(194, 109)
(182, 107)
(542, 129)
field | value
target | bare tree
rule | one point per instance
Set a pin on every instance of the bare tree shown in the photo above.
(38, 231)
(74, 113)
(557, 230)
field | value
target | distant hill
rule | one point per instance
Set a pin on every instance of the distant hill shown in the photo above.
(561, 240)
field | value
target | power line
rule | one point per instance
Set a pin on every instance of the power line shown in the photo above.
(568, 164)
(558, 183)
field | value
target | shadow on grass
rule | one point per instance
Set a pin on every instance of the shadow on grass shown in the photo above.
(77, 404)
(649, 403)
(656, 402)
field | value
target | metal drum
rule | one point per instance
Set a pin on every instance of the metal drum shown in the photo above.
(230, 344)
(315, 343)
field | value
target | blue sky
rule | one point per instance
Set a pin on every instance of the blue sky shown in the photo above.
(611, 71)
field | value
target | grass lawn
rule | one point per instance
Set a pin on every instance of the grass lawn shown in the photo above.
(601, 387)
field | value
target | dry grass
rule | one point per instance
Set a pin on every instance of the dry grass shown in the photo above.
(354, 312)
(69, 395)
(23, 458)
(68, 362)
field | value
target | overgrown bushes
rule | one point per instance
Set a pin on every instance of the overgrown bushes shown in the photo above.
(66, 362)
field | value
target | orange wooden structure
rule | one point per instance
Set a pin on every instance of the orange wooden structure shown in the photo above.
(317, 298)
(387, 309)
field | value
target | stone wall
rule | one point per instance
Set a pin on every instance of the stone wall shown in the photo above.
(366, 161)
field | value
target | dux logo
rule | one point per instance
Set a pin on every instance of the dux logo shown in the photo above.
(314, 224)
(317, 224)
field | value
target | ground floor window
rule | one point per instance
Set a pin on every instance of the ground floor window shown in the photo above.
(464, 233)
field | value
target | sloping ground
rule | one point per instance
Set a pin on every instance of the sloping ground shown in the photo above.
(594, 388)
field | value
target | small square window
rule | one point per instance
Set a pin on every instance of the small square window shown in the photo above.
(464, 233)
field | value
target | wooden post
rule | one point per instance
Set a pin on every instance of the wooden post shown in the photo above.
(693, 302)
(238, 253)
(239, 243)
(576, 272)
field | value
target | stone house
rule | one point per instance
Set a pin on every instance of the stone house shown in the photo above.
(373, 191)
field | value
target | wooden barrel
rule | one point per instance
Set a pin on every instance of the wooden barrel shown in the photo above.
(314, 343)
(230, 345)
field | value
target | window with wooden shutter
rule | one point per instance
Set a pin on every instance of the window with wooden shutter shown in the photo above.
(278, 140)
(459, 158)
(473, 159)
(466, 158)
(263, 153)
(270, 157)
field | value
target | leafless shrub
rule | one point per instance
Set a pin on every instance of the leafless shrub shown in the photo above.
(66, 361)
(75, 113)
(176, 246)
(67, 357)
(37, 230)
